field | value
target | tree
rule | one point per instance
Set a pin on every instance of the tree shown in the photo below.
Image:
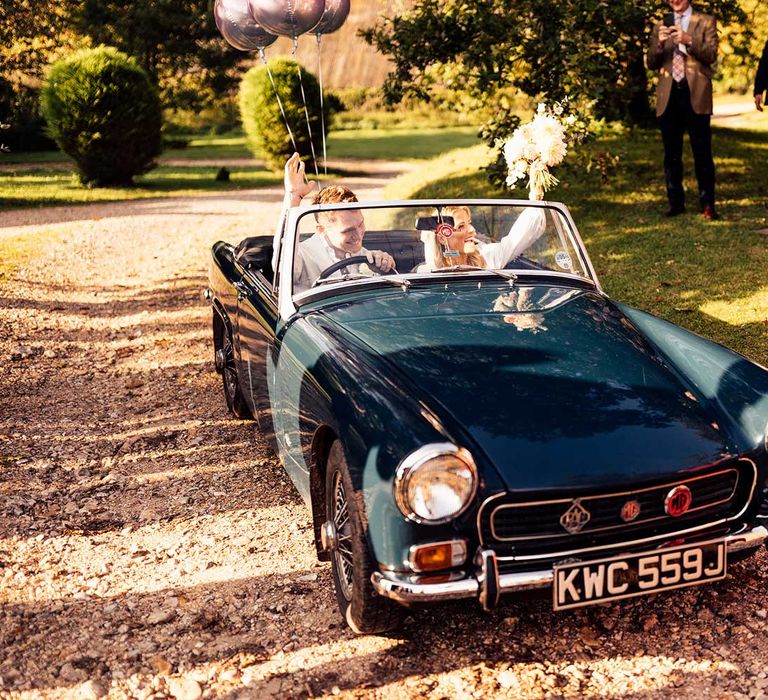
(175, 41)
(263, 120)
(104, 112)
(31, 32)
(588, 50)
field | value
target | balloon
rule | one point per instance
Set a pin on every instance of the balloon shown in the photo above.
(233, 18)
(287, 17)
(336, 13)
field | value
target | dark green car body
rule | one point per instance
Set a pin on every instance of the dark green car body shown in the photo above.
(603, 399)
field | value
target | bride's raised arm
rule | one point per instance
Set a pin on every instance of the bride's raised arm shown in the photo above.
(526, 230)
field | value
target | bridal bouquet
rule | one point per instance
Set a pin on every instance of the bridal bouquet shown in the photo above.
(537, 146)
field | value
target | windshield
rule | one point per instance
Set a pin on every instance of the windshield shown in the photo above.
(352, 243)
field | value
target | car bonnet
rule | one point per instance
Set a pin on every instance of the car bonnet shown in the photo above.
(558, 390)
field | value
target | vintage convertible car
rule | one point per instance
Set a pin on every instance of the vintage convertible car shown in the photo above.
(464, 432)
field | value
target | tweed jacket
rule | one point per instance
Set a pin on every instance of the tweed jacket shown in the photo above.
(699, 63)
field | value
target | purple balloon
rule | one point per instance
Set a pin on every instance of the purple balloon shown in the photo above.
(336, 13)
(287, 17)
(233, 18)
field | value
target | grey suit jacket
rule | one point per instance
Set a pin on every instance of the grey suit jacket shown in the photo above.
(699, 63)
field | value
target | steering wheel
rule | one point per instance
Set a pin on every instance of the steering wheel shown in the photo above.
(354, 260)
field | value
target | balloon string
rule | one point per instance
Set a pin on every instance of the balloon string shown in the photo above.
(309, 126)
(263, 55)
(322, 103)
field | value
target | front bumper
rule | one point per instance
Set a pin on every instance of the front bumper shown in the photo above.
(488, 584)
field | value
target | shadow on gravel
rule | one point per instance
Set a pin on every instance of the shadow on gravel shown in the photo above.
(177, 294)
(127, 633)
(258, 625)
(705, 633)
(119, 412)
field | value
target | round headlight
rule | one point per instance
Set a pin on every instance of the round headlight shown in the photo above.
(435, 483)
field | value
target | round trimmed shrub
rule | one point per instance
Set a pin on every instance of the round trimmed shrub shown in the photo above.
(263, 123)
(104, 112)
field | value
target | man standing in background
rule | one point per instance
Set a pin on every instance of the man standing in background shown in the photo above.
(761, 79)
(684, 49)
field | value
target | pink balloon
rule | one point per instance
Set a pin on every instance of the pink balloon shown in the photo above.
(336, 13)
(287, 17)
(233, 18)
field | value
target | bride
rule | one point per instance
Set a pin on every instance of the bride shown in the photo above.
(463, 247)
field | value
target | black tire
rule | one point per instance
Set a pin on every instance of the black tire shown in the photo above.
(233, 394)
(364, 610)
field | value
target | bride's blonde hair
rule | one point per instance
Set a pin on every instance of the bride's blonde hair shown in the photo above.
(433, 251)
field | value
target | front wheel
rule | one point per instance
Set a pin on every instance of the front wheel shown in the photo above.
(365, 611)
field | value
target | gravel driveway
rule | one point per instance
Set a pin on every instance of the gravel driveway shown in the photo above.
(152, 547)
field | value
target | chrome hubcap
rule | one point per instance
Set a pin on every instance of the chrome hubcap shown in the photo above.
(343, 553)
(220, 360)
(328, 536)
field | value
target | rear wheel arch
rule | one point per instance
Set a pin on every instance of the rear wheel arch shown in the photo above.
(321, 447)
(225, 363)
(221, 326)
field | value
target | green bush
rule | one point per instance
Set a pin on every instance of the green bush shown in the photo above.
(103, 111)
(262, 121)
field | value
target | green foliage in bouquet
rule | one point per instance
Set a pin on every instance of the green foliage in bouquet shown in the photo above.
(260, 113)
(103, 111)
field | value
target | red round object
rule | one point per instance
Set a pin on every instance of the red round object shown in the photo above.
(678, 501)
(445, 230)
(630, 510)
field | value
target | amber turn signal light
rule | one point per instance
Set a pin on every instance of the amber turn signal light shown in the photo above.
(437, 556)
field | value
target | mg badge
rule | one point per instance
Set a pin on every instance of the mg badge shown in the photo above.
(630, 510)
(575, 518)
(678, 501)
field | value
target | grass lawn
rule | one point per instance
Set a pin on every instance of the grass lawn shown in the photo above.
(709, 277)
(388, 144)
(49, 187)
(400, 144)
(225, 146)
(35, 183)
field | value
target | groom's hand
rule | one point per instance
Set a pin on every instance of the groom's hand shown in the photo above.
(382, 261)
(296, 185)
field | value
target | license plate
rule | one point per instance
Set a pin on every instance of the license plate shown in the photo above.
(631, 575)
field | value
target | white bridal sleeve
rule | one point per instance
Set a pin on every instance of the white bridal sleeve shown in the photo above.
(528, 228)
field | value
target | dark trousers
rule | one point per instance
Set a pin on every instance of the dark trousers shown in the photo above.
(678, 118)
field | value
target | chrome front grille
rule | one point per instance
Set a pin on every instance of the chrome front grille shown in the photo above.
(518, 527)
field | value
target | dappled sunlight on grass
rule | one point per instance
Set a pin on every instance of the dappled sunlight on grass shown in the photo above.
(46, 187)
(749, 309)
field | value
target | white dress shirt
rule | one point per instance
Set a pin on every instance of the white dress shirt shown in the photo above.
(313, 256)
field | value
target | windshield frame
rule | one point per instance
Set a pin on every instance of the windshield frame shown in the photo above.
(289, 304)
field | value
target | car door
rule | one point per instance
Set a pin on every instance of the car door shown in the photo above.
(256, 330)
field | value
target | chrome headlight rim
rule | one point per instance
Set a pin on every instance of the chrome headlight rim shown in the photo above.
(421, 456)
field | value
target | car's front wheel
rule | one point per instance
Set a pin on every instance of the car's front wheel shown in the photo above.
(364, 610)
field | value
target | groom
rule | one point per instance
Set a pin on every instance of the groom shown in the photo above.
(683, 48)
